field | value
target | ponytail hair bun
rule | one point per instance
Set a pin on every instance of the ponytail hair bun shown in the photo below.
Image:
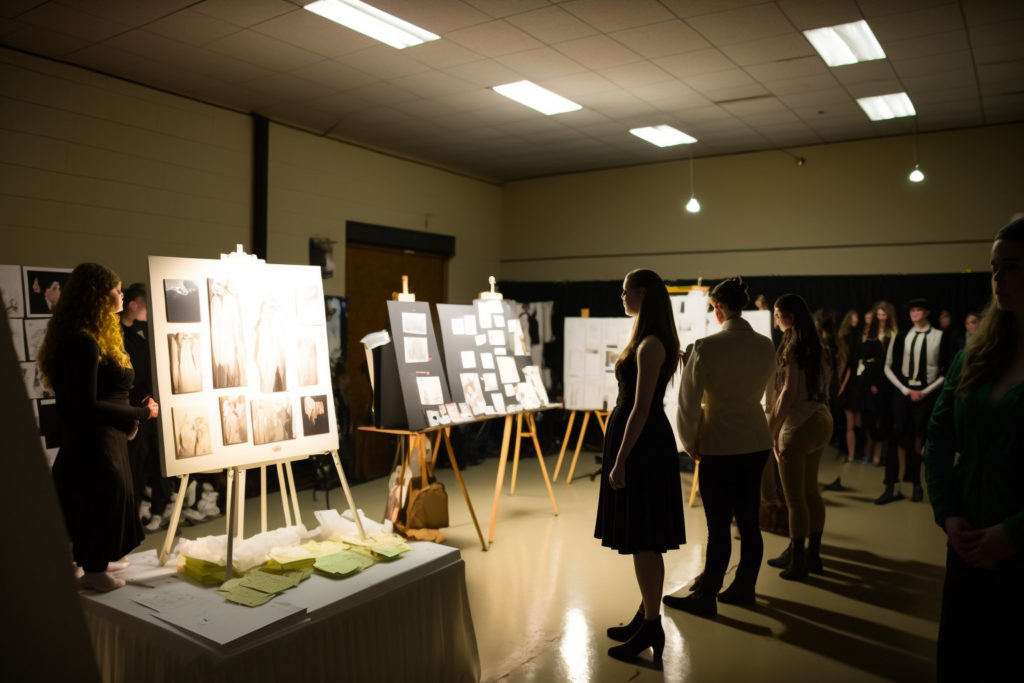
(732, 293)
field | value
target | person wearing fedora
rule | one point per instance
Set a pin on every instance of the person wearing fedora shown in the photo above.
(915, 364)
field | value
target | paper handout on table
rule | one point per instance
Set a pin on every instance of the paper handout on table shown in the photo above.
(270, 583)
(225, 623)
(250, 597)
(344, 563)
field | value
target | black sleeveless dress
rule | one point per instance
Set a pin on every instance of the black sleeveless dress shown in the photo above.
(647, 515)
(91, 473)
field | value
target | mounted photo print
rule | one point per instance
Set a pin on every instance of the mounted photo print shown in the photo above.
(42, 289)
(241, 363)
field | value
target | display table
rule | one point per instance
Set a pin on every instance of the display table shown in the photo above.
(406, 620)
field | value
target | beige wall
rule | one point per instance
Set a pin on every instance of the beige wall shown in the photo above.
(599, 225)
(93, 168)
(316, 185)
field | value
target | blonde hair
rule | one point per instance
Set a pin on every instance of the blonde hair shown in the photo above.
(84, 306)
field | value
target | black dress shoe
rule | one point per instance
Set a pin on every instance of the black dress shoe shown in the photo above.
(834, 486)
(888, 496)
(737, 595)
(918, 494)
(782, 560)
(695, 603)
(695, 587)
(624, 633)
(649, 635)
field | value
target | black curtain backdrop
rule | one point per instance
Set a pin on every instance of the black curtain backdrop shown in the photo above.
(959, 293)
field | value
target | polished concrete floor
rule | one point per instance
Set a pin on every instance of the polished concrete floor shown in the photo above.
(545, 591)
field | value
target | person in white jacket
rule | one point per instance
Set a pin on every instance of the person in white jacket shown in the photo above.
(722, 424)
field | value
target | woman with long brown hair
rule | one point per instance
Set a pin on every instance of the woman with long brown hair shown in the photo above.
(872, 391)
(849, 341)
(801, 426)
(83, 360)
(974, 471)
(640, 508)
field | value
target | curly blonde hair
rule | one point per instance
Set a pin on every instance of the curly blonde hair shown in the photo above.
(84, 306)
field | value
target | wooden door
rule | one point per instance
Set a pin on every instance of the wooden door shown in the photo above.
(372, 274)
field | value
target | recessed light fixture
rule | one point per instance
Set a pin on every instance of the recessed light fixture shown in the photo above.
(663, 136)
(892, 106)
(536, 97)
(372, 22)
(846, 43)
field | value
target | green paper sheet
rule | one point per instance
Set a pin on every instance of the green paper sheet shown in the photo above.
(270, 583)
(247, 596)
(343, 563)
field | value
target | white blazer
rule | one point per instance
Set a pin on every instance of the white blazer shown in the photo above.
(720, 392)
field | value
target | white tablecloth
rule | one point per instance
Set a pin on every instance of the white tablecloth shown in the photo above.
(406, 620)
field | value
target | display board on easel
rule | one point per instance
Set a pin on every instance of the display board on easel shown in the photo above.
(241, 362)
(592, 345)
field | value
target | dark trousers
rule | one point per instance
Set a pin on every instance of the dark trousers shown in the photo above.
(730, 486)
(910, 424)
(979, 630)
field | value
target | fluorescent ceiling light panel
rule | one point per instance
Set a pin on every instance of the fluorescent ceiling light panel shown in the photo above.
(372, 22)
(845, 43)
(663, 136)
(882, 107)
(536, 97)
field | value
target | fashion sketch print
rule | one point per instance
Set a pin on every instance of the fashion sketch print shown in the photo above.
(181, 299)
(272, 420)
(314, 415)
(272, 326)
(184, 354)
(191, 431)
(227, 335)
(234, 422)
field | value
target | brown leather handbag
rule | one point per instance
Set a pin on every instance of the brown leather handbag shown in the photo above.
(428, 504)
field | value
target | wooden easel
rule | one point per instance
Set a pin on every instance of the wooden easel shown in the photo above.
(503, 462)
(416, 442)
(234, 506)
(602, 419)
(694, 488)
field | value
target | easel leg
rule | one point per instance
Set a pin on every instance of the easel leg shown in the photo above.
(565, 442)
(540, 459)
(348, 494)
(579, 445)
(229, 506)
(282, 486)
(462, 485)
(515, 459)
(295, 493)
(172, 528)
(695, 487)
(501, 475)
(240, 526)
(263, 499)
(232, 519)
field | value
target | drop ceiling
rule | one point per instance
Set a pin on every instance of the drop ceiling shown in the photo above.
(736, 74)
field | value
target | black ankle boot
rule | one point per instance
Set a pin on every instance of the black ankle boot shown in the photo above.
(624, 633)
(797, 568)
(649, 635)
(739, 593)
(814, 565)
(782, 560)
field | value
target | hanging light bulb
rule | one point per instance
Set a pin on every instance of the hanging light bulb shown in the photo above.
(916, 175)
(693, 206)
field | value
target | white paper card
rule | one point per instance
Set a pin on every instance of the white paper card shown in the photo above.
(468, 359)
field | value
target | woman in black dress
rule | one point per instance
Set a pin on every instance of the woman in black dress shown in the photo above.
(84, 361)
(640, 509)
(873, 392)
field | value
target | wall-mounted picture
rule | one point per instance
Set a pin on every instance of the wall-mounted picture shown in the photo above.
(314, 415)
(35, 332)
(18, 338)
(10, 291)
(234, 419)
(181, 300)
(42, 289)
(306, 359)
(227, 337)
(271, 340)
(272, 420)
(191, 431)
(185, 357)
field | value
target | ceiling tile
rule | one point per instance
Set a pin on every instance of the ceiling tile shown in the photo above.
(384, 62)
(552, 25)
(541, 63)
(579, 85)
(935, 43)
(1008, 72)
(74, 23)
(192, 27)
(692, 8)
(597, 52)
(803, 85)
(948, 61)
(312, 32)
(661, 39)
(939, 81)
(432, 84)
(735, 92)
(437, 16)
(995, 54)
(997, 34)
(871, 88)
(922, 22)
(43, 41)
(441, 54)
(504, 8)
(806, 14)
(815, 98)
(246, 12)
(776, 49)
(636, 75)
(992, 11)
(719, 80)
(790, 68)
(880, 8)
(261, 49)
(103, 57)
(607, 15)
(333, 74)
(864, 72)
(485, 73)
(380, 94)
(695, 63)
(741, 25)
(189, 57)
(493, 39)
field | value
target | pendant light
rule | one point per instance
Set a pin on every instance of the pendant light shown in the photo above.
(916, 176)
(693, 206)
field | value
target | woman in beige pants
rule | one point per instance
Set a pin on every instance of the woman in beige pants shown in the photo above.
(801, 427)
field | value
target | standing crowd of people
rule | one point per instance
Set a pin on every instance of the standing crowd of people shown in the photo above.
(951, 402)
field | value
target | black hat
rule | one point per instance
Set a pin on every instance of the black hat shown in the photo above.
(919, 302)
